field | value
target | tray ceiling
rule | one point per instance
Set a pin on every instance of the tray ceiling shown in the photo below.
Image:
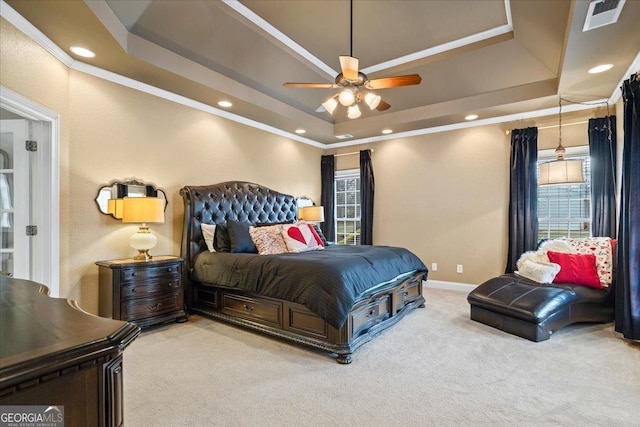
(492, 58)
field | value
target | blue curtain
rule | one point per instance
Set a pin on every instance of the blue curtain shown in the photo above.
(627, 291)
(602, 151)
(523, 195)
(327, 184)
(367, 189)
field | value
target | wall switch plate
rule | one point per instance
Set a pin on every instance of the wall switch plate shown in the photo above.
(434, 266)
(459, 268)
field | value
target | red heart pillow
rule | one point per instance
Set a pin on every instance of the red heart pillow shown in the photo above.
(301, 237)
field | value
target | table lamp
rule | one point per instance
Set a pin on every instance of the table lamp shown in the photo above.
(142, 210)
(311, 214)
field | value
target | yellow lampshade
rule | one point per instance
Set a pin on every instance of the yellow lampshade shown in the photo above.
(561, 172)
(142, 209)
(114, 207)
(312, 213)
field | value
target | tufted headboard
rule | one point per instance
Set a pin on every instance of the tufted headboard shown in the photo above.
(241, 201)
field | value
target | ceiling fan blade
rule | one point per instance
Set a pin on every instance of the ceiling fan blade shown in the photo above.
(383, 106)
(386, 82)
(349, 66)
(311, 85)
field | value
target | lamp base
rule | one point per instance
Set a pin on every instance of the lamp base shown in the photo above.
(143, 255)
(143, 241)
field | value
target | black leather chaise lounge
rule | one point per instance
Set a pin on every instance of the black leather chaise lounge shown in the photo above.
(533, 310)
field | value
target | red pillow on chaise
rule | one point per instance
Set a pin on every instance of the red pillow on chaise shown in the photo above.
(577, 269)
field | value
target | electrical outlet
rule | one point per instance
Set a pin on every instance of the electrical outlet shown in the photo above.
(434, 266)
(459, 268)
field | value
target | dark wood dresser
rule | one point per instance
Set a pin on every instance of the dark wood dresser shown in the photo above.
(53, 353)
(143, 292)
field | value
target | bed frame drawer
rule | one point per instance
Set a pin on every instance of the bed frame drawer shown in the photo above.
(258, 309)
(370, 314)
(410, 291)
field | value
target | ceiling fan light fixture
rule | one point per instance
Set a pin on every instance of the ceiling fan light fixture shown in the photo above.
(347, 97)
(353, 112)
(372, 100)
(330, 104)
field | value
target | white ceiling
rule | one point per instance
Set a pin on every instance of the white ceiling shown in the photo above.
(499, 59)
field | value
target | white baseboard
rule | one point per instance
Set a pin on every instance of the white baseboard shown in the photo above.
(453, 286)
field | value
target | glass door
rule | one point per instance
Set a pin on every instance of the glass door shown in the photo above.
(14, 199)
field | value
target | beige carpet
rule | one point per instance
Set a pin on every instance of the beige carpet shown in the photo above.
(434, 368)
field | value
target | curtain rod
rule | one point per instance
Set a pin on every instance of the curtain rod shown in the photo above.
(563, 125)
(350, 154)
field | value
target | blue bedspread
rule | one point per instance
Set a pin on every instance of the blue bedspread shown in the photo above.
(327, 282)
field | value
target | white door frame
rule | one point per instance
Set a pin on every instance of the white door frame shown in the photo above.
(46, 181)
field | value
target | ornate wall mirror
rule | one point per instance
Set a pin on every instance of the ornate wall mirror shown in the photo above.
(127, 188)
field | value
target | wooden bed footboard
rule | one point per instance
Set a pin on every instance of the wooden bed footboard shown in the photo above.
(295, 323)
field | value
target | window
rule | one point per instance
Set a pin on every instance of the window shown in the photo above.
(347, 200)
(565, 210)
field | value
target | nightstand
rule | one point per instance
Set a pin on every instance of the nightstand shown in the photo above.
(143, 292)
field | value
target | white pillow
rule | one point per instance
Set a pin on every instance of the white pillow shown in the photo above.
(541, 272)
(208, 231)
(556, 245)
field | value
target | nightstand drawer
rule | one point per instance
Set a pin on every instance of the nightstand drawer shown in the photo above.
(150, 307)
(137, 274)
(144, 289)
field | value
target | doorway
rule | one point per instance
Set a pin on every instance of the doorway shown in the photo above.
(29, 191)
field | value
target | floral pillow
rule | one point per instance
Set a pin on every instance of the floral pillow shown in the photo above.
(268, 240)
(602, 249)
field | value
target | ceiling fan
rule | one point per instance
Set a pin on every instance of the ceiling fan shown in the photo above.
(355, 86)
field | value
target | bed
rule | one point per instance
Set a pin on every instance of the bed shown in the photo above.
(333, 300)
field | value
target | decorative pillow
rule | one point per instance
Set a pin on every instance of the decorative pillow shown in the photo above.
(600, 247)
(577, 269)
(221, 239)
(268, 239)
(320, 234)
(540, 256)
(301, 237)
(208, 232)
(556, 246)
(541, 272)
(239, 237)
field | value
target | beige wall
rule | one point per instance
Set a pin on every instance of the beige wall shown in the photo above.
(445, 197)
(113, 132)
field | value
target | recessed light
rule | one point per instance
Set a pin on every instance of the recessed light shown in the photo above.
(471, 117)
(225, 104)
(300, 131)
(387, 131)
(600, 68)
(82, 51)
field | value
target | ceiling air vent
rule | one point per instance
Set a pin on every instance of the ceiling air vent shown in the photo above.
(344, 136)
(602, 12)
